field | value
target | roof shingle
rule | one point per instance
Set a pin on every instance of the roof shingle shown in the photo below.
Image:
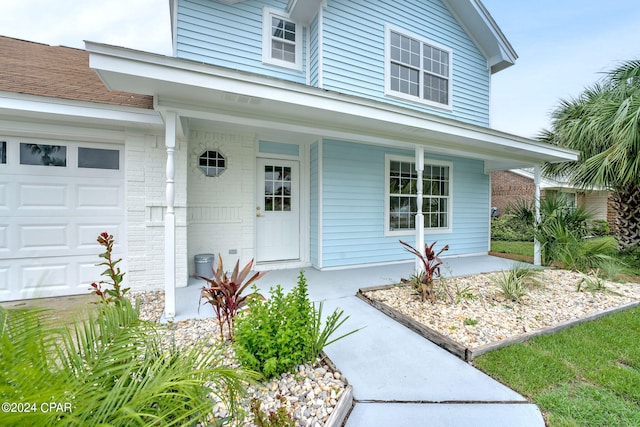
(59, 72)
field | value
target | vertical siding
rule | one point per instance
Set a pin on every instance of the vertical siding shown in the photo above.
(353, 206)
(314, 203)
(228, 36)
(353, 52)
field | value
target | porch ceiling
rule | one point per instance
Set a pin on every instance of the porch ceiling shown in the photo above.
(202, 92)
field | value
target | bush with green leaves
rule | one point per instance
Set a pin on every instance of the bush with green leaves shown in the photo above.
(108, 370)
(598, 228)
(511, 228)
(274, 335)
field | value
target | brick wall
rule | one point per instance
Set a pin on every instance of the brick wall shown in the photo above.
(508, 187)
(146, 206)
(221, 213)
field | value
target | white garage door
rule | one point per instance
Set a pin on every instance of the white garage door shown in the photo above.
(55, 198)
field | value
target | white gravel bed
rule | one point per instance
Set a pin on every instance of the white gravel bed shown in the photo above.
(486, 317)
(310, 392)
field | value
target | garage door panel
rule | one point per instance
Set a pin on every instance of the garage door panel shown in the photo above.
(4, 281)
(45, 276)
(99, 197)
(51, 237)
(43, 196)
(4, 189)
(89, 272)
(4, 239)
(88, 234)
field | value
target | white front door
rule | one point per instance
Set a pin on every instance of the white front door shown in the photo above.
(278, 210)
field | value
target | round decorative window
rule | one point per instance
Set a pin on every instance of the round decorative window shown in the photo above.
(212, 163)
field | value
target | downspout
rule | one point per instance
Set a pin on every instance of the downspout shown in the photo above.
(537, 253)
(170, 220)
(419, 215)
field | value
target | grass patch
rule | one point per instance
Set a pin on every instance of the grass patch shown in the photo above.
(515, 248)
(588, 375)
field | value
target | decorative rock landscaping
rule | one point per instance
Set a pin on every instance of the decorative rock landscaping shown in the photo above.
(311, 394)
(478, 318)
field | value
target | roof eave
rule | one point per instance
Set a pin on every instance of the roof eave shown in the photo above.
(486, 33)
(229, 95)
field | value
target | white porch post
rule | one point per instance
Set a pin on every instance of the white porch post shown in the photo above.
(170, 220)
(419, 214)
(537, 253)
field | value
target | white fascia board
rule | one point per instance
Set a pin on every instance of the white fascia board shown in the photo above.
(485, 32)
(17, 104)
(172, 78)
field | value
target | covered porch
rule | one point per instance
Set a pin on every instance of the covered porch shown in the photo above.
(335, 285)
(333, 132)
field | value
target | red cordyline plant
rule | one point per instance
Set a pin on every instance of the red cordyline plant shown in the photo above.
(116, 294)
(431, 263)
(224, 292)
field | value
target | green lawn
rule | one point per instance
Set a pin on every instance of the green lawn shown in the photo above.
(516, 248)
(523, 251)
(588, 375)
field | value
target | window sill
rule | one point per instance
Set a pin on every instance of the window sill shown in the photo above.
(418, 101)
(427, 232)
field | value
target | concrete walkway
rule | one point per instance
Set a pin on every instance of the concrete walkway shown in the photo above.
(399, 379)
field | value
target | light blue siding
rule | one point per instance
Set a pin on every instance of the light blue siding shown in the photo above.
(279, 148)
(313, 52)
(353, 52)
(228, 35)
(314, 203)
(353, 37)
(353, 179)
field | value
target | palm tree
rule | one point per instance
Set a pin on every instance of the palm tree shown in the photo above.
(603, 123)
(108, 370)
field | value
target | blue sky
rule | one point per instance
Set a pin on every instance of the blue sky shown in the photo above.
(563, 45)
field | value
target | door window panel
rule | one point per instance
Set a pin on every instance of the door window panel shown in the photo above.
(43, 155)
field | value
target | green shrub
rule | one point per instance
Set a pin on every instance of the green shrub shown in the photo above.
(598, 228)
(511, 228)
(276, 334)
(108, 370)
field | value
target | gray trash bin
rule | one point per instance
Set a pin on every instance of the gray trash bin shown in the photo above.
(204, 264)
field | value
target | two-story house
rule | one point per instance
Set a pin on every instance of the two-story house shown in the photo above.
(314, 133)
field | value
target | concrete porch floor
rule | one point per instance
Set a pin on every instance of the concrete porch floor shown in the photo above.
(399, 379)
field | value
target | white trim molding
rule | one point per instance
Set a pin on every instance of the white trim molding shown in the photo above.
(268, 37)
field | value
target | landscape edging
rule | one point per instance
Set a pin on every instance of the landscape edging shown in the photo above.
(459, 350)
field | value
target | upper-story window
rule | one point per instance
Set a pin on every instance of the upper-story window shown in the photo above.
(281, 40)
(417, 69)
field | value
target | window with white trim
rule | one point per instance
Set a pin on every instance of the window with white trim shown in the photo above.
(281, 40)
(401, 190)
(417, 69)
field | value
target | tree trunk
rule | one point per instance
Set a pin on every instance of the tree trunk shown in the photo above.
(627, 204)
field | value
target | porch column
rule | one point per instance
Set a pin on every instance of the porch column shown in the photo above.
(537, 253)
(170, 220)
(419, 216)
